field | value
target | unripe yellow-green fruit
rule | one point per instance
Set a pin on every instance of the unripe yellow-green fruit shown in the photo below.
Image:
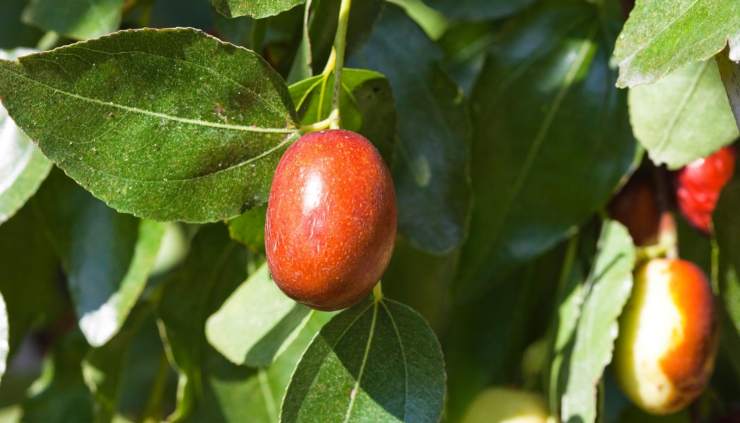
(668, 336)
(503, 405)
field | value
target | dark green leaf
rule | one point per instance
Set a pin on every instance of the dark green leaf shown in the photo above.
(431, 158)
(301, 67)
(727, 229)
(235, 394)
(78, 19)
(214, 267)
(22, 166)
(257, 9)
(478, 10)
(671, 116)
(730, 72)
(377, 361)
(367, 105)
(13, 33)
(107, 256)
(103, 368)
(164, 124)
(486, 337)
(662, 36)
(430, 20)
(29, 282)
(565, 137)
(60, 395)
(262, 316)
(589, 345)
(410, 269)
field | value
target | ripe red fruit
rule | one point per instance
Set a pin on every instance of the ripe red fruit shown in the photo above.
(667, 336)
(331, 219)
(637, 209)
(699, 186)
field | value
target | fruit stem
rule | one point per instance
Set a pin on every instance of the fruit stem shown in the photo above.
(340, 44)
(318, 126)
(378, 292)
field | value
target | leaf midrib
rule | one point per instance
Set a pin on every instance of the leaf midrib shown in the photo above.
(196, 122)
(368, 344)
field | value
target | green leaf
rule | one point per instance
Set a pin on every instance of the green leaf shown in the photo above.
(60, 395)
(265, 319)
(662, 36)
(78, 19)
(431, 158)
(591, 343)
(488, 335)
(233, 393)
(430, 20)
(214, 267)
(366, 106)
(727, 229)
(164, 124)
(22, 166)
(730, 72)
(684, 116)
(107, 256)
(539, 141)
(13, 33)
(29, 282)
(479, 10)
(103, 368)
(257, 9)
(377, 361)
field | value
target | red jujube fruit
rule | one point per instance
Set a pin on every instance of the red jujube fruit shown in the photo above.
(331, 219)
(699, 186)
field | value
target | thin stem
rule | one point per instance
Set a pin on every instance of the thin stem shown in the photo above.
(340, 44)
(153, 410)
(317, 126)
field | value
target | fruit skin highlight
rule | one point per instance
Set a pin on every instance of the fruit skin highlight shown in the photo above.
(667, 341)
(699, 185)
(505, 405)
(331, 219)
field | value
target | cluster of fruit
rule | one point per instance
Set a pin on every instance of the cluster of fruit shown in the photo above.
(331, 227)
(668, 331)
(667, 341)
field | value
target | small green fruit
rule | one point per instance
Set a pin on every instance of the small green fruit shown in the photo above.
(503, 405)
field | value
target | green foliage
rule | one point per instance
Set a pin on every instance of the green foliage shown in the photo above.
(535, 143)
(661, 37)
(584, 339)
(255, 8)
(136, 163)
(431, 158)
(106, 284)
(684, 116)
(143, 133)
(377, 361)
(267, 320)
(23, 167)
(78, 19)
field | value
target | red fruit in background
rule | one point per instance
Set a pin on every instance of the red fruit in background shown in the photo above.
(636, 207)
(667, 341)
(699, 186)
(331, 219)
